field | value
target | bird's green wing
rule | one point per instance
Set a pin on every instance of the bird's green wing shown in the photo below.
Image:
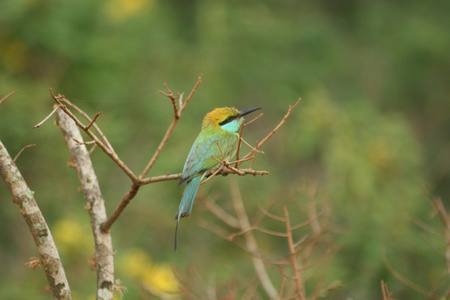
(206, 145)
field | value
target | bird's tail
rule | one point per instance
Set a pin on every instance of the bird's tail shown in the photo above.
(187, 201)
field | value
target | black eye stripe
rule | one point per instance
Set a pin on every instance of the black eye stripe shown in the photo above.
(227, 120)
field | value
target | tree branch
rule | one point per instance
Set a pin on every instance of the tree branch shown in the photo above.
(95, 203)
(250, 240)
(7, 96)
(264, 140)
(24, 198)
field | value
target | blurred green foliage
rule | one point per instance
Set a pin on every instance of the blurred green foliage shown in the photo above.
(373, 125)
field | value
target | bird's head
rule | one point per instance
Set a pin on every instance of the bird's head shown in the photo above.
(227, 118)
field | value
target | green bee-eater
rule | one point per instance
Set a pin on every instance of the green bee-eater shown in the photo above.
(219, 127)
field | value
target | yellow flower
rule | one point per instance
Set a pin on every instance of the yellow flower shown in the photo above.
(124, 9)
(135, 263)
(70, 237)
(161, 280)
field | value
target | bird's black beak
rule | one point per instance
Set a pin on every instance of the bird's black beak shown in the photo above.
(247, 111)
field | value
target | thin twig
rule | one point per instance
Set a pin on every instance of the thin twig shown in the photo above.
(56, 106)
(402, 278)
(7, 96)
(325, 255)
(93, 120)
(282, 288)
(218, 211)
(172, 99)
(109, 151)
(170, 128)
(255, 228)
(258, 145)
(186, 102)
(428, 228)
(254, 119)
(85, 143)
(21, 150)
(209, 177)
(296, 270)
(239, 146)
(85, 115)
(446, 222)
(253, 149)
(445, 218)
(274, 217)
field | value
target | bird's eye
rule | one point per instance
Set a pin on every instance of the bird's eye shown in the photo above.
(229, 119)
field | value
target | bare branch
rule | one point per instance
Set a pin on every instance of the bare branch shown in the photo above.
(172, 99)
(274, 217)
(445, 218)
(254, 228)
(108, 150)
(218, 211)
(186, 102)
(171, 126)
(160, 178)
(209, 177)
(7, 96)
(439, 206)
(253, 149)
(251, 244)
(93, 120)
(105, 227)
(254, 119)
(85, 143)
(138, 181)
(21, 150)
(95, 204)
(97, 129)
(385, 291)
(325, 255)
(306, 223)
(402, 278)
(258, 145)
(295, 268)
(56, 106)
(24, 198)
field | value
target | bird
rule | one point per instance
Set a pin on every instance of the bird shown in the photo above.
(218, 138)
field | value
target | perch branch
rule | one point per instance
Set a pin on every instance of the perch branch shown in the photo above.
(138, 181)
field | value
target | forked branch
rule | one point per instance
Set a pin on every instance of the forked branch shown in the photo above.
(95, 204)
(179, 105)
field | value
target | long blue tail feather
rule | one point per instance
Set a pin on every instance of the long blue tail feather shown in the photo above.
(187, 202)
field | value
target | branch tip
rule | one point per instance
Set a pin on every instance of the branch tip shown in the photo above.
(7, 96)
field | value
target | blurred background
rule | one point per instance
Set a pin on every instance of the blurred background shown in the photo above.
(372, 131)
